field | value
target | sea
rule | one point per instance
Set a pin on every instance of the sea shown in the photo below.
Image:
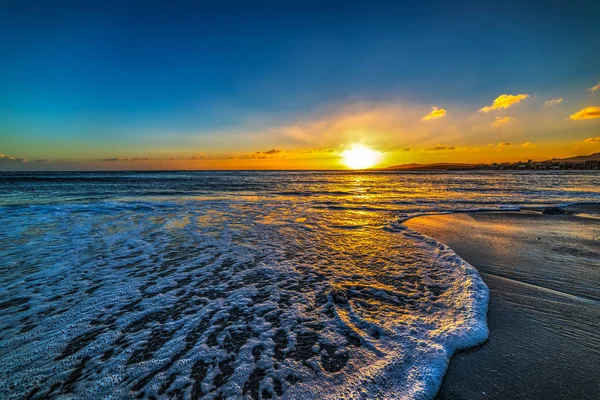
(244, 284)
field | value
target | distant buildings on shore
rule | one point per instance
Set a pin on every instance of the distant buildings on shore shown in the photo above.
(587, 162)
(542, 165)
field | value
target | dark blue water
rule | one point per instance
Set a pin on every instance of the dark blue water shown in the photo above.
(418, 191)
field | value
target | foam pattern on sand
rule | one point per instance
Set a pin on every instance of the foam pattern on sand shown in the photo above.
(223, 299)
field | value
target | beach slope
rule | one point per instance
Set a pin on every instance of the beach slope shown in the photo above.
(543, 272)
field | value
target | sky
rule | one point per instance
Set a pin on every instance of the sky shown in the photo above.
(108, 85)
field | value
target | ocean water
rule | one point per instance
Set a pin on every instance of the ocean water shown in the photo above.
(243, 284)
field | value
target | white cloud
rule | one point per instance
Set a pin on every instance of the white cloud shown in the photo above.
(594, 88)
(7, 158)
(553, 102)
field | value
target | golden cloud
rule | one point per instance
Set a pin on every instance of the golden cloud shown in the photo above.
(594, 88)
(501, 121)
(200, 156)
(592, 140)
(440, 147)
(325, 153)
(398, 126)
(590, 112)
(435, 113)
(528, 145)
(273, 151)
(553, 102)
(502, 144)
(260, 155)
(381, 125)
(504, 101)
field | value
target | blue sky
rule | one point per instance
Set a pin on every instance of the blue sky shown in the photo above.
(104, 77)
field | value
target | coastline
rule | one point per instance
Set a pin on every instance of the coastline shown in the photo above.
(542, 272)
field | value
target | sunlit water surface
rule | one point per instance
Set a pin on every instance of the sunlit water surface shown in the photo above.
(242, 284)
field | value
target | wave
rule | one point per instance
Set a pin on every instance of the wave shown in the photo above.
(202, 299)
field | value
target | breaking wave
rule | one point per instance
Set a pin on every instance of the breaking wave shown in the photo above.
(220, 299)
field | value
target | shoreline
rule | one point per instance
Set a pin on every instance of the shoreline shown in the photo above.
(573, 209)
(541, 271)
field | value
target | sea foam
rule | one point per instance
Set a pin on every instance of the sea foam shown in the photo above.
(228, 299)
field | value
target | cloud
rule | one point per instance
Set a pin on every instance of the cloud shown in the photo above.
(199, 156)
(504, 101)
(387, 126)
(398, 125)
(278, 154)
(553, 102)
(502, 144)
(435, 113)
(43, 161)
(251, 156)
(501, 121)
(587, 113)
(118, 159)
(594, 88)
(384, 125)
(260, 155)
(528, 145)
(273, 151)
(7, 158)
(592, 140)
(440, 147)
(405, 149)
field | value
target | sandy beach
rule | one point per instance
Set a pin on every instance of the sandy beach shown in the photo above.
(543, 272)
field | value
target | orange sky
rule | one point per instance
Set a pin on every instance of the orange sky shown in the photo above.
(511, 127)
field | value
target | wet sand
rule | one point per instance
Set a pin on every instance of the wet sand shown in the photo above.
(543, 272)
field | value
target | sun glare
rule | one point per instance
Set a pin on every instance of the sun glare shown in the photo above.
(360, 157)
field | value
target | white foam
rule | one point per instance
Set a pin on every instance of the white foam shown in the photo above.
(205, 298)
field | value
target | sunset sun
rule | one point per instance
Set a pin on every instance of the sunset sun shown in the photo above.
(360, 157)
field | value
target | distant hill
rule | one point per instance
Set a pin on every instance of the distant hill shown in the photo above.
(591, 157)
(428, 167)
(465, 166)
